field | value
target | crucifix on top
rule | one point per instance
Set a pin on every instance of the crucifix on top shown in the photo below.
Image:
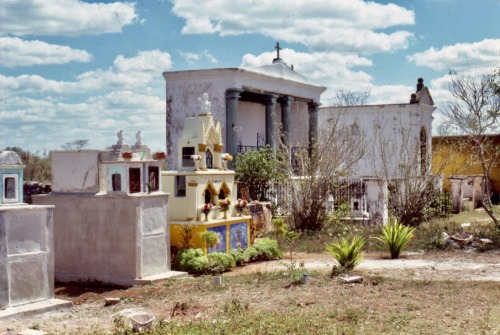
(278, 48)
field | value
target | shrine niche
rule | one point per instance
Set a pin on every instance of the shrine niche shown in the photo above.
(203, 170)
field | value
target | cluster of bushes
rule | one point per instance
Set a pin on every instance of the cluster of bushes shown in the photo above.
(195, 261)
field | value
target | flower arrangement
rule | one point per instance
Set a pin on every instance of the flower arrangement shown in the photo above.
(227, 157)
(206, 208)
(224, 204)
(196, 157)
(240, 205)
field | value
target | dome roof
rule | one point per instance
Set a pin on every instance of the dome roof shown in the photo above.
(279, 69)
(9, 158)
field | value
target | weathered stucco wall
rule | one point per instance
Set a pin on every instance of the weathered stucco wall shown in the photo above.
(390, 134)
(26, 254)
(113, 238)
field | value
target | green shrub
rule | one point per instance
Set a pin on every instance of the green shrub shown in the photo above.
(239, 256)
(251, 254)
(267, 248)
(195, 261)
(395, 237)
(191, 260)
(219, 262)
(348, 254)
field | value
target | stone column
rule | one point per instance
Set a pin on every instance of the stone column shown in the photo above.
(313, 125)
(270, 103)
(456, 193)
(286, 105)
(232, 96)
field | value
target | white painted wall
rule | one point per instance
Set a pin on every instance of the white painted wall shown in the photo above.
(114, 238)
(391, 131)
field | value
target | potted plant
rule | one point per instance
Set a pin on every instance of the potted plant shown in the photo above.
(127, 155)
(159, 155)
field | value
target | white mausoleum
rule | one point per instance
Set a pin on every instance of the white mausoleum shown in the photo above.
(250, 104)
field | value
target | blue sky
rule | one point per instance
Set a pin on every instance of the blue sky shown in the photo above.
(85, 69)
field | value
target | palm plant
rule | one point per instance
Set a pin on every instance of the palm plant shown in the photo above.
(348, 254)
(395, 237)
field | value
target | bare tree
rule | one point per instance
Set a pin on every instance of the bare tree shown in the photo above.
(401, 160)
(317, 170)
(475, 112)
(345, 97)
(76, 144)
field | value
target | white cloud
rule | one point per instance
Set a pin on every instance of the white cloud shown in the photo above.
(126, 73)
(190, 57)
(129, 95)
(210, 57)
(340, 25)
(64, 17)
(18, 52)
(460, 56)
(321, 68)
(193, 58)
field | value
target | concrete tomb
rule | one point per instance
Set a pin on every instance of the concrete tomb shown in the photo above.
(26, 241)
(111, 221)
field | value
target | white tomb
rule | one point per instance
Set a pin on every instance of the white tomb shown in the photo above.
(110, 221)
(26, 241)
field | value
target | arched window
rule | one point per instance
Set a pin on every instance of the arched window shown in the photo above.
(423, 151)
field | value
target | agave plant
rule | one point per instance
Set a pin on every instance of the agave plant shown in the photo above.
(348, 254)
(395, 237)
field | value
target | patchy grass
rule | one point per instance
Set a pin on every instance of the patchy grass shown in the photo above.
(267, 304)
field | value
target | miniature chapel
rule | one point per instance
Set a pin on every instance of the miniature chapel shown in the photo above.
(202, 189)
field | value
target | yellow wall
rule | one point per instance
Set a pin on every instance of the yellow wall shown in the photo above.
(452, 155)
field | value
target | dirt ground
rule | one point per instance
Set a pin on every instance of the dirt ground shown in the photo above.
(434, 280)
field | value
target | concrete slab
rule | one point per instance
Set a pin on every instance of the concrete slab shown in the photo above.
(30, 309)
(159, 277)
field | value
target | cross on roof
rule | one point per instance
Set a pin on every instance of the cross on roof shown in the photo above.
(278, 48)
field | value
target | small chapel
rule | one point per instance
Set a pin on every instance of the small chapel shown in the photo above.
(202, 189)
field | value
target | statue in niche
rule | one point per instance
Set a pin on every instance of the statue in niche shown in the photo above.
(205, 105)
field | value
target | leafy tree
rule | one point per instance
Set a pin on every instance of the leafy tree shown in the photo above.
(258, 169)
(475, 112)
